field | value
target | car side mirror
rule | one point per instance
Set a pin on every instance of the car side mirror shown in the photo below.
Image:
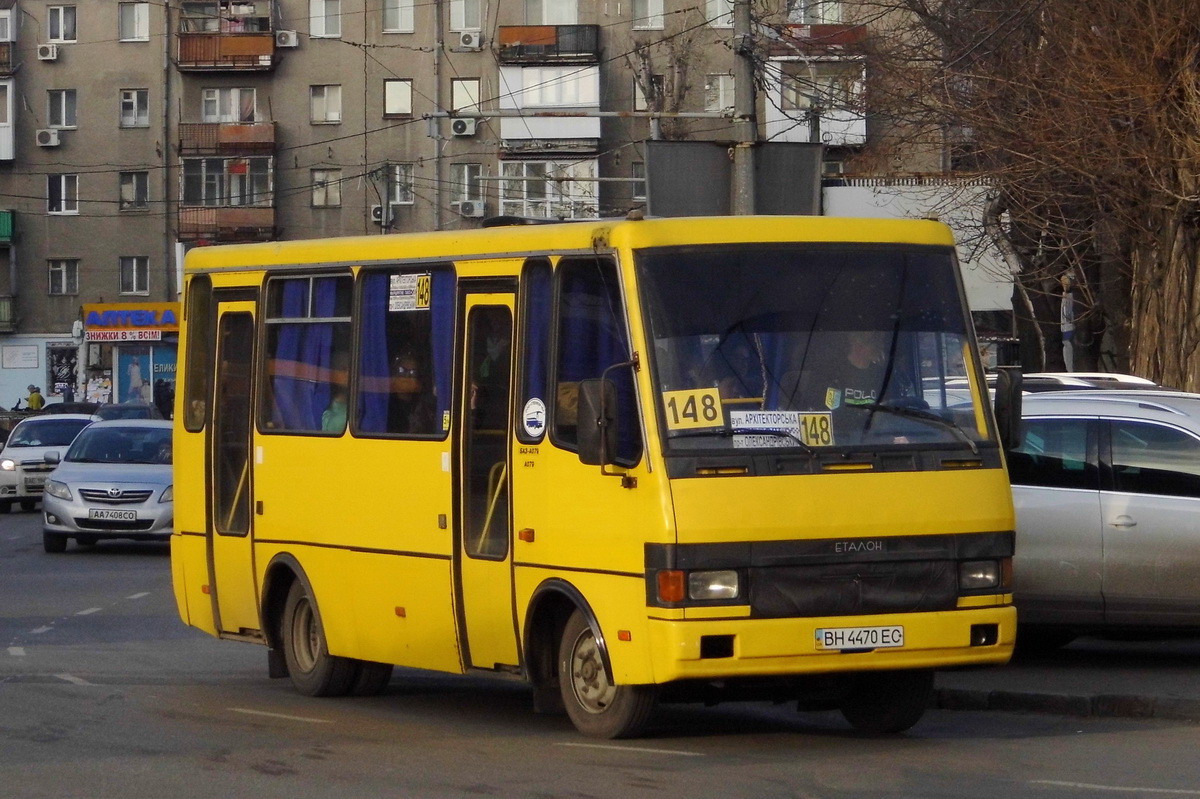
(51, 458)
(597, 421)
(1007, 406)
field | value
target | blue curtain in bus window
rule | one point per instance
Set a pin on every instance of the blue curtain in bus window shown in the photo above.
(286, 358)
(536, 285)
(442, 336)
(318, 353)
(373, 375)
(302, 364)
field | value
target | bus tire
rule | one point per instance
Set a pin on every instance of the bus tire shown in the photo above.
(887, 702)
(596, 707)
(372, 678)
(313, 670)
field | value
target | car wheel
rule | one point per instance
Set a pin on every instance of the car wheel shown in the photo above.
(53, 542)
(313, 670)
(28, 504)
(597, 707)
(886, 702)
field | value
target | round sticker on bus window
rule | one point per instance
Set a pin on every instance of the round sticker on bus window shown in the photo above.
(534, 418)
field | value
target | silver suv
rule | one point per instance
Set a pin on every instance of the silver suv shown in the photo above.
(1107, 491)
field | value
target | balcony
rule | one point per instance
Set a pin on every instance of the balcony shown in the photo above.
(549, 44)
(823, 40)
(227, 224)
(237, 138)
(218, 51)
(6, 57)
(8, 322)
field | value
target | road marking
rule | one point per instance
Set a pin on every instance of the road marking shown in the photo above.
(40, 630)
(139, 596)
(642, 749)
(1086, 786)
(88, 611)
(17, 651)
(71, 678)
(249, 712)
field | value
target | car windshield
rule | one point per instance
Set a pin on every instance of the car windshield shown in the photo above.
(127, 411)
(810, 346)
(122, 445)
(46, 432)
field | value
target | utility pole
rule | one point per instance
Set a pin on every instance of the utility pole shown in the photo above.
(744, 126)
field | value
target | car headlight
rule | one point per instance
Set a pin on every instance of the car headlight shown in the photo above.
(168, 495)
(8, 465)
(721, 584)
(974, 575)
(56, 489)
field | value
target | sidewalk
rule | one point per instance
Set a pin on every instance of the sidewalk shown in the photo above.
(1090, 677)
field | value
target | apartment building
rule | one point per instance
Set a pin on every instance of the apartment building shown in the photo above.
(132, 131)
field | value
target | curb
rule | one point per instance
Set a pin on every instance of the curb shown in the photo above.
(1099, 706)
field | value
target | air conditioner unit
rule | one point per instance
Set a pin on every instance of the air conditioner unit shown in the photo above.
(47, 52)
(47, 137)
(287, 39)
(472, 208)
(382, 214)
(464, 127)
(470, 40)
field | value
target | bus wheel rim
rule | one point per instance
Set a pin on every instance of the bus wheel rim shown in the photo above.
(304, 634)
(589, 681)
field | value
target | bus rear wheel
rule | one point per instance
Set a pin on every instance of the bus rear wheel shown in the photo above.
(596, 706)
(313, 670)
(881, 703)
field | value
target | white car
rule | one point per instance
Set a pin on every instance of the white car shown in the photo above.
(23, 468)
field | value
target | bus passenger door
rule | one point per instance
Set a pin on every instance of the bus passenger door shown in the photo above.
(484, 548)
(229, 446)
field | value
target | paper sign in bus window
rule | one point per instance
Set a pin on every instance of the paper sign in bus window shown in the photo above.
(409, 292)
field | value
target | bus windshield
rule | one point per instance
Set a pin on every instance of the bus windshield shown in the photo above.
(810, 346)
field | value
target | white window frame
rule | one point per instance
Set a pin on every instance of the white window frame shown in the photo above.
(326, 188)
(67, 191)
(133, 191)
(529, 188)
(815, 12)
(135, 16)
(719, 13)
(134, 274)
(62, 277)
(226, 105)
(325, 104)
(637, 170)
(61, 24)
(836, 84)
(401, 184)
(325, 19)
(648, 15)
(397, 97)
(135, 108)
(398, 16)
(62, 108)
(466, 183)
(552, 12)
(718, 92)
(464, 94)
(6, 25)
(233, 182)
(466, 15)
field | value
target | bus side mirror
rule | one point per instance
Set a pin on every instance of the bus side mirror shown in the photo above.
(1008, 406)
(597, 421)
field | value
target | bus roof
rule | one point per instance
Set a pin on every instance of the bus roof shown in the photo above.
(582, 236)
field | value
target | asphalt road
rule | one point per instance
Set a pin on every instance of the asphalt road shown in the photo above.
(104, 693)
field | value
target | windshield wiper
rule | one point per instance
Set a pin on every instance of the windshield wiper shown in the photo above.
(730, 432)
(920, 414)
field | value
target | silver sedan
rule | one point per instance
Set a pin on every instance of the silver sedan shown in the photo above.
(114, 482)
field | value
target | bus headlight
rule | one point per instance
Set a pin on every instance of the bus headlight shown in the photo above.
(56, 489)
(713, 584)
(975, 575)
(8, 465)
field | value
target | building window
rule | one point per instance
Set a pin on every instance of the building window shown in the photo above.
(720, 13)
(549, 189)
(61, 108)
(400, 186)
(228, 105)
(6, 29)
(718, 93)
(325, 103)
(639, 181)
(826, 85)
(62, 194)
(647, 14)
(464, 94)
(465, 15)
(135, 108)
(62, 23)
(133, 22)
(398, 16)
(64, 276)
(327, 188)
(325, 17)
(135, 274)
(642, 102)
(134, 191)
(815, 12)
(557, 86)
(552, 12)
(227, 182)
(397, 98)
(466, 185)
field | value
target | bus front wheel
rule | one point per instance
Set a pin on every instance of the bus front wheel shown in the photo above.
(597, 707)
(881, 703)
(313, 670)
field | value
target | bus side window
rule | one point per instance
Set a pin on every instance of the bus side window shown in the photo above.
(536, 312)
(592, 337)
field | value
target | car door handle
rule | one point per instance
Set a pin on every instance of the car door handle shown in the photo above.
(1123, 521)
